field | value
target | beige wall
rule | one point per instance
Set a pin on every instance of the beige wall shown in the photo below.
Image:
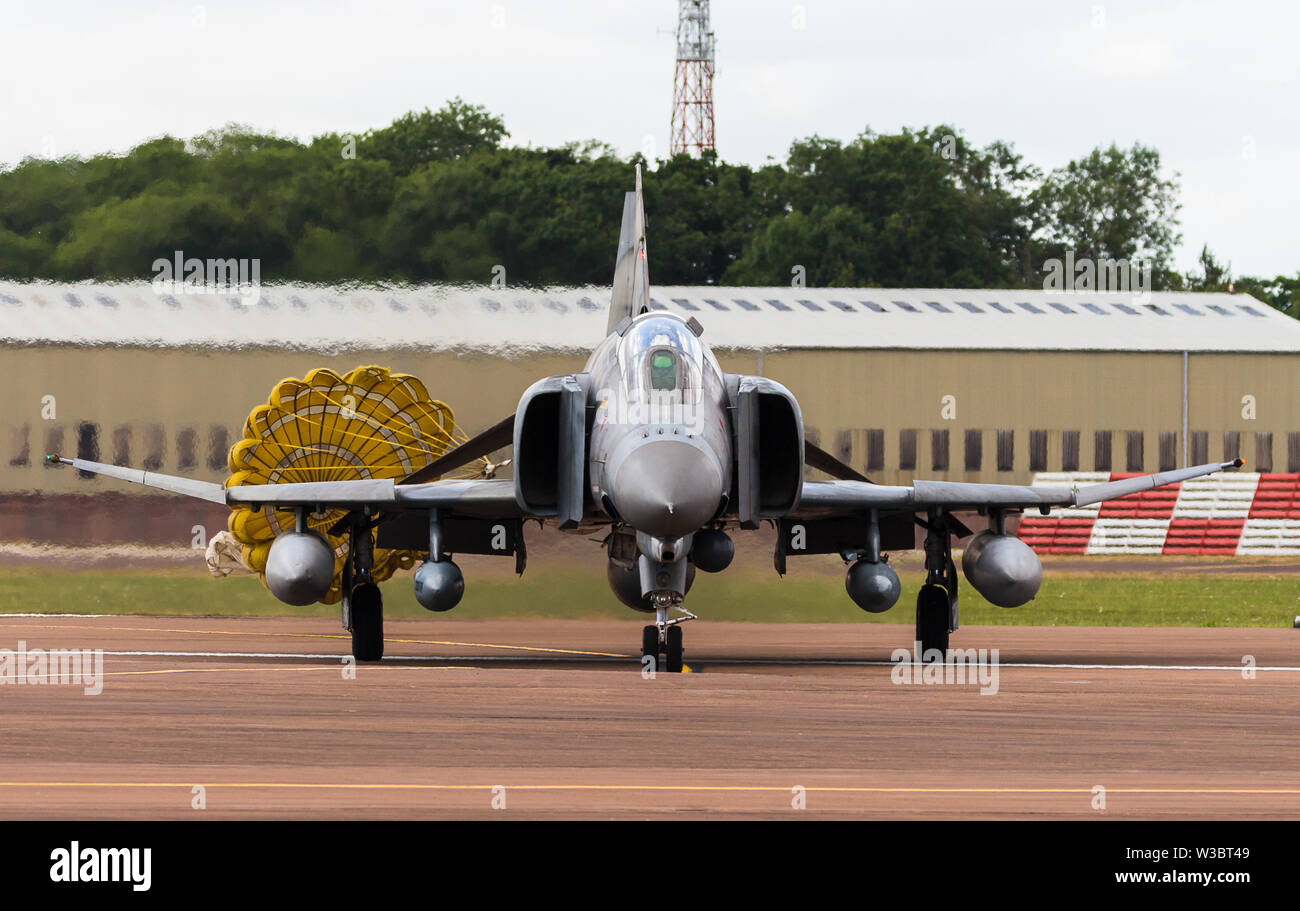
(838, 390)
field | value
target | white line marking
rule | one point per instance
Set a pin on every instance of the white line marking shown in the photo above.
(701, 661)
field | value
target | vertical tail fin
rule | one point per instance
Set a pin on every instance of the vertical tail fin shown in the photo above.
(631, 293)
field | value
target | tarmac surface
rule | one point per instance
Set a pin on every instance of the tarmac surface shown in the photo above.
(532, 719)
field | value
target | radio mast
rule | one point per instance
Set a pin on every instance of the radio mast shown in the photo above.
(693, 87)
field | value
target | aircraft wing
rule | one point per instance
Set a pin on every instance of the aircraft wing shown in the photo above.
(490, 498)
(836, 497)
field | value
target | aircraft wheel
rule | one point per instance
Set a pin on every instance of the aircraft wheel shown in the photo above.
(650, 644)
(932, 607)
(367, 622)
(673, 650)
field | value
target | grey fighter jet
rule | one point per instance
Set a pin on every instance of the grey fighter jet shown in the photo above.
(654, 444)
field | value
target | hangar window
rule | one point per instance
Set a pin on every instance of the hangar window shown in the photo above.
(906, 450)
(1101, 449)
(655, 305)
(1038, 450)
(1030, 307)
(1222, 311)
(1061, 307)
(396, 306)
(54, 439)
(1200, 447)
(20, 447)
(715, 305)
(1189, 310)
(87, 445)
(1134, 452)
(155, 442)
(218, 447)
(1168, 451)
(779, 305)
(298, 303)
(744, 305)
(844, 446)
(875, 450)
(107, 301)
(1125, 308)
(847, 308)
(1231, 445)
(1006, 450)
(490, 306)
(1069, 450)
(428, 308)
(938, 450)
(811, 306)
(10, 299)
(524, 305)
(1264, 451)
(937, 306)
(1293, 452)
(974, 450)
(186, 444)
(72, 299)
(1093, 308)
(905, 306)
(1160, 311)
(122, 446)
(684, 303)
(1249, 309)
(967, 305)
(872, 305)
(588, 304)
(1001, 308)
(557, 306)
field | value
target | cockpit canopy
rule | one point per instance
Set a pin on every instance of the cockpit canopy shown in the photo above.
(662, 358)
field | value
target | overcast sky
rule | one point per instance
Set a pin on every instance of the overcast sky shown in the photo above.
(1215, 86)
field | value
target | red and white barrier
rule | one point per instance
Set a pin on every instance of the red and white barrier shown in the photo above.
(1223, 514)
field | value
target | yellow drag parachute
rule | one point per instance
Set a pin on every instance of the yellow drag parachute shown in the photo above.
(368, 424)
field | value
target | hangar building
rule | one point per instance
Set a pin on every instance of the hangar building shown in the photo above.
(948, 384)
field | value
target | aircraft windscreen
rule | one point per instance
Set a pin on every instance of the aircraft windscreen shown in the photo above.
(662, 356)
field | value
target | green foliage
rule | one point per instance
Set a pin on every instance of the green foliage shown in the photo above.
(435, 196)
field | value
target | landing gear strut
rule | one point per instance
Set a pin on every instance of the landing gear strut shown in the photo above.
(665, 638)
(936, 603)
(363, 604)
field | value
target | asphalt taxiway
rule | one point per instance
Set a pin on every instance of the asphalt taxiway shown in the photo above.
(545, 719)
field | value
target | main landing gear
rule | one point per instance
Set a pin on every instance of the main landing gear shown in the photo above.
(936, 603)
(363, 604)
(663, 640)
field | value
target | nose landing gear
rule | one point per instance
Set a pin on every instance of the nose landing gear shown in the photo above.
(664, 638)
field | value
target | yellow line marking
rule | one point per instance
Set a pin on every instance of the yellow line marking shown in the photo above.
(224, 632)
(632, 787)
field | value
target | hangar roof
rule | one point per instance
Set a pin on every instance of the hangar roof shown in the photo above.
(341, 318)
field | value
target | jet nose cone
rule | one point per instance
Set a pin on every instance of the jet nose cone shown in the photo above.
(667, 488)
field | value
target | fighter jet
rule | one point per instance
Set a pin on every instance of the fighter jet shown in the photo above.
(654, 444)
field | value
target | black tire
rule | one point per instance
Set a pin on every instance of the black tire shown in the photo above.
(367, 622)
(650, 644)
(932, 607)
(673, 650)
